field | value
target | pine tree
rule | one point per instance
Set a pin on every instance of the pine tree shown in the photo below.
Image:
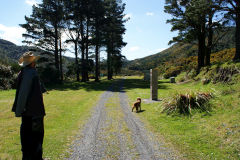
(72, 15)
(215, 23)
(97, 26)
(113, 36)
(44, 25)
(196, 21)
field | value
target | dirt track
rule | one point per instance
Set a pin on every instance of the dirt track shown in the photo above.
(114, 132)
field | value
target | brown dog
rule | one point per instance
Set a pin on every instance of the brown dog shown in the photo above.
(137, 105)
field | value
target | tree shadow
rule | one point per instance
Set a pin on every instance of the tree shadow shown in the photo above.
(141, 84)
(88, 86)
(111, 85)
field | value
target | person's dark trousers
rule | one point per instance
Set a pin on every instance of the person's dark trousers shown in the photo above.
(32, 133)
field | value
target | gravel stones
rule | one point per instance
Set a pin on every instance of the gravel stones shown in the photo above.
(114, 132)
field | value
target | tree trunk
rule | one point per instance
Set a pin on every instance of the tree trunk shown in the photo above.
(56, 51)
(201, 51)
(97, 63)
(109, 58)
(83, 63)
(97, 53)
(109, 64)
(61, 69)
(83, 52)
(237, 34)
(210, 41)
(87, 45)
(76, 60)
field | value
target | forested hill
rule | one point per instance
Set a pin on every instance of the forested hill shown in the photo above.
(9, 50)
(179, 50)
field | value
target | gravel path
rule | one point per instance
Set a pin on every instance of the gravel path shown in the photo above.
(114, 132)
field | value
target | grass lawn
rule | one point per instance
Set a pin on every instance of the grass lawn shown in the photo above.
(67, 108)
(201, 136)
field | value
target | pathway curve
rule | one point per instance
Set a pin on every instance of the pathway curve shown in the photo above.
(114, 132)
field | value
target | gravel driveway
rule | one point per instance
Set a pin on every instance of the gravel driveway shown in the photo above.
(114, 132)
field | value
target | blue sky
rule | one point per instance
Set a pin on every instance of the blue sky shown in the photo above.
(147, 32)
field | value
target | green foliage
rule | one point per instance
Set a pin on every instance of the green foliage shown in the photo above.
(224, 73)
(182, 77)
(46, 68)
(189, 65)
(232, 8)
(7, 77)
(114, 30)
(173, 71)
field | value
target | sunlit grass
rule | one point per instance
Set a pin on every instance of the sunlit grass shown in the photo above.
(201, 136)
(67, 108)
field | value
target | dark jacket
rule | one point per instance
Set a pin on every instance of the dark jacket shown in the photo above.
(29, 99)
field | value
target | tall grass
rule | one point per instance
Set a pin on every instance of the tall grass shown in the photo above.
(184, 103)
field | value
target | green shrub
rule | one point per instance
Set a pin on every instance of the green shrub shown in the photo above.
(226, 72)
(192, 73)
(7, 78)
(173, 72)
(46, 69)
(182, 77)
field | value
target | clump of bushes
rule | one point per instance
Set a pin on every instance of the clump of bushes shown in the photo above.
(226, 72)
(7, 77)
(173, 72)
(223, 73)
(185, 103)
(46, 68)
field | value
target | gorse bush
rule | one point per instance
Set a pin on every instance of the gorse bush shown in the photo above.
(226, 72)
(173, 71)
(178, 65)
(7, 77)
(184, 103)
(223, 73)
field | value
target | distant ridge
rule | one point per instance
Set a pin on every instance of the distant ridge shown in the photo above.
(11, 50)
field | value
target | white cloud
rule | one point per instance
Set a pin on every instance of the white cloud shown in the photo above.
(133, 49)
(156, 50)
(150, 14)
(12, 34)
(129, 15)
(31, 2)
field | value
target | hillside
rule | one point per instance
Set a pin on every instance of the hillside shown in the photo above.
(9, 55)
(179, 50)
(11, 50)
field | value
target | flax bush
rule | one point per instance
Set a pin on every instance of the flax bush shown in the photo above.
(185, 103)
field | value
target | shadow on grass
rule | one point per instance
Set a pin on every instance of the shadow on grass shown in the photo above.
(141, 111)
(103, 85)
(141, 84)
(88, 86)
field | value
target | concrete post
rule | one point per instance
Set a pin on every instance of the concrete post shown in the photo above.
(154, 84)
